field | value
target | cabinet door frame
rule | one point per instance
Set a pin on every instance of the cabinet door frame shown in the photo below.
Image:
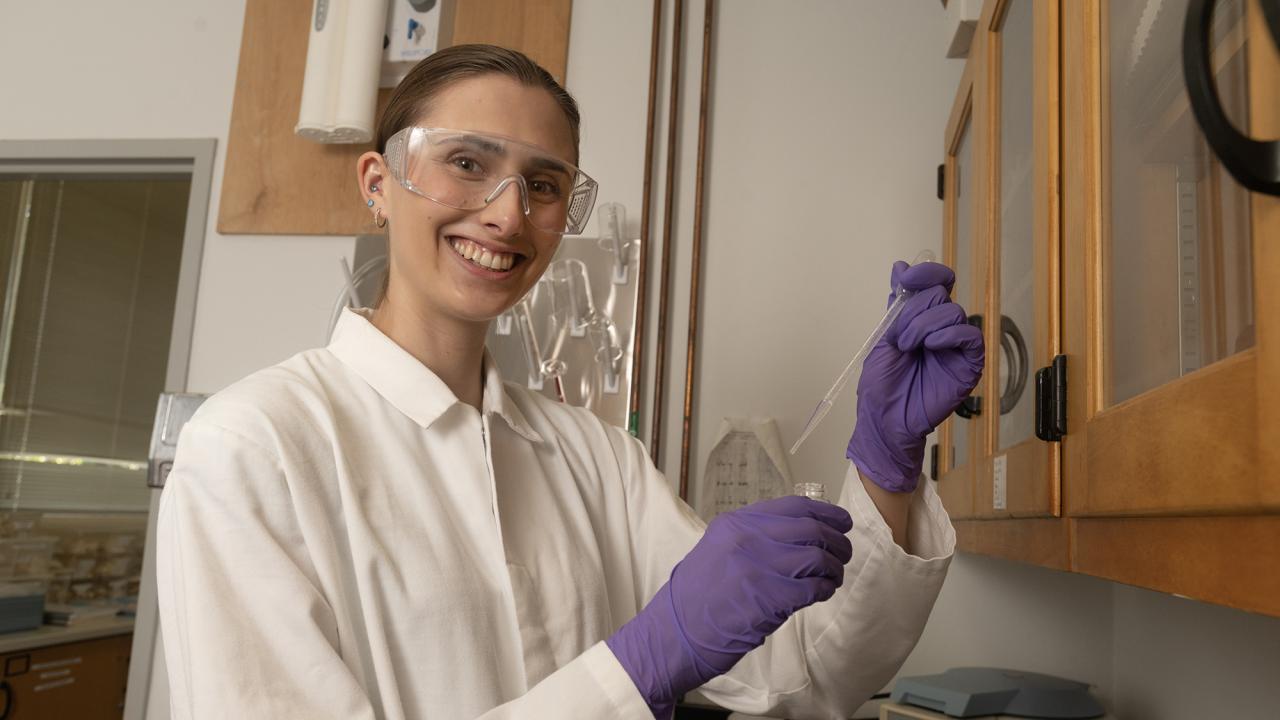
(1264, 115)
(955, 484)
(1032, 467)
(1152, 454)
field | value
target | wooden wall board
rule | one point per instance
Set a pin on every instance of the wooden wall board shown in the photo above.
(277, 183)
(538, 28)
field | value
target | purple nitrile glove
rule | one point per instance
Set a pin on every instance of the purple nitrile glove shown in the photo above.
(928, 362)
(751, 570)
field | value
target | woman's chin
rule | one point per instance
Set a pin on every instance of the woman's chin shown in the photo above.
(484, 312)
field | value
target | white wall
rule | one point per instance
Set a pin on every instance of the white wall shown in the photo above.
(1151, 656)
(1177, 659)
(608, 74)
(995, 613)
(825, 135)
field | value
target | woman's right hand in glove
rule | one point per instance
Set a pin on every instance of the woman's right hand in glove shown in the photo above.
(752, 569)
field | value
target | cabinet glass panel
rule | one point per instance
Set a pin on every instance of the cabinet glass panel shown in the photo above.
(960, 427)
(1017, 241)
(1178, 264)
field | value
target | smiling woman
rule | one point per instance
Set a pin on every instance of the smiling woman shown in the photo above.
(384, 528)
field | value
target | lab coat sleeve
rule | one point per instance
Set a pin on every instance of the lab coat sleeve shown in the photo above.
(593, 685)
(247, 630)
(829, 658)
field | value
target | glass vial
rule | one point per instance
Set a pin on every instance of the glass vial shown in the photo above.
(812, 490)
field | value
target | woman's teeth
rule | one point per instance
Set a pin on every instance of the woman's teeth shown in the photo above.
(480, 256)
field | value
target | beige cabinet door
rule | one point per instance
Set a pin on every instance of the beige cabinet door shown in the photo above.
(1167, 264)
(1001, 236)
(1018, 474)
(958, 440)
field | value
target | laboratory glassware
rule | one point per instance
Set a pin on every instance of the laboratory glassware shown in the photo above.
(895, 309)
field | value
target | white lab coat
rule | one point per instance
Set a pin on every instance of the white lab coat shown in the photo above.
(342, 538)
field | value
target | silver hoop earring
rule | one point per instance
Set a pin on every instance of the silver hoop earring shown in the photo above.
(378, 219)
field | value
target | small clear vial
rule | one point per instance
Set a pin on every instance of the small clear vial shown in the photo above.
(812, 490)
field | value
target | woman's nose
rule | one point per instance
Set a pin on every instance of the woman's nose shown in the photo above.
(504, 212)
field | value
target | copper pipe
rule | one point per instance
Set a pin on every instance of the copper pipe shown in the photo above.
(695, 269)
(673, 136)
(642, 274)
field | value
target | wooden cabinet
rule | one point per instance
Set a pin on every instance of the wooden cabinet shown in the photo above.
(83, 680)
(1105, 230)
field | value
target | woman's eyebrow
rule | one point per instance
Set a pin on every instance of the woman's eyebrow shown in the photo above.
(546, 163)
(479, 143)
(536, 162)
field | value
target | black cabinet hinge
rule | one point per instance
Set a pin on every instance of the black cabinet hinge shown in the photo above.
(942, 181)
(1051, 400)
(972, 405)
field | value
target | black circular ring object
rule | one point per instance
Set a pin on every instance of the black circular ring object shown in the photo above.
(1013, 347)
(1255, 164)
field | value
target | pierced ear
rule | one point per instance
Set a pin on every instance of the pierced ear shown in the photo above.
(373, 182)
(371, 172)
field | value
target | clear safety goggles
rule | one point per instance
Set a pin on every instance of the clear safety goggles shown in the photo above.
(467, 171)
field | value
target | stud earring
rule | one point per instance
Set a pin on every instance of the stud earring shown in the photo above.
(373, 188)
(370, 203)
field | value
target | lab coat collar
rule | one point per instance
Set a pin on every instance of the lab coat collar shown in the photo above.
(497, 402)
(409, 385)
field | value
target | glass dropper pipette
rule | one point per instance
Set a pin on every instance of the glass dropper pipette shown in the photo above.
(900, 296)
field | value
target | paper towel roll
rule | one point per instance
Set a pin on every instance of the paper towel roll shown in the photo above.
(340, 83)
(317, 78)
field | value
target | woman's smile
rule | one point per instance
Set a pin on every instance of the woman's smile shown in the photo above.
(484, 257)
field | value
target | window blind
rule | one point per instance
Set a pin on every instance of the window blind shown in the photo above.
(89, 267)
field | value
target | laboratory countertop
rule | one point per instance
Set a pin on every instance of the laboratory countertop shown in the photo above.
(47, 635)
(697, 707)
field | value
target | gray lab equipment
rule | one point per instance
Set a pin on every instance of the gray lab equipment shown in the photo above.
(172, 412)
(976, 691)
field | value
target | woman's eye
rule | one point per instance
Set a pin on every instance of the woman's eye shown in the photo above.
(465, 164)
(544, 188)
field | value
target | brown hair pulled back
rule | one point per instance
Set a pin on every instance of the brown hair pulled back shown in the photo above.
(413, 96)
